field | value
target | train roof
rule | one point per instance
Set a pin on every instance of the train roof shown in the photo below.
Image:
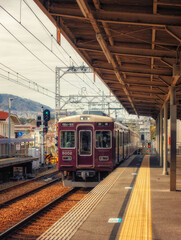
(93, 118)
(86, 118)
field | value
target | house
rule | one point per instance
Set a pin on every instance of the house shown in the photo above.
(4, 124)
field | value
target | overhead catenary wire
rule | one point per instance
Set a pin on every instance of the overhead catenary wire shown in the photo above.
(20, 76)
(30, 81)
(51, 35)
(24, 85)
(19, 22)
(27, 48)
(34, 54)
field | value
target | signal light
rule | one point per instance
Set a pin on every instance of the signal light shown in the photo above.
(45, 129)
(149, 145)
(45, 124)
(38, 123)
(46, 115)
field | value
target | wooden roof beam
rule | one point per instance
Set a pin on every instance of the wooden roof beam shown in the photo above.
(107, 31)
(141, 97)
(153, 38)
(128, 18)
(170, 3)
(173, 34)
(149, 91)
(143, 71)
(166, 63)
(145, 84)
(165, 82)
(139, 19)
(174, 82)
(97, 4)
(132, 52)
(86, 11)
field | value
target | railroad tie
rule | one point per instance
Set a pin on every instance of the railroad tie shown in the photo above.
(66, 227)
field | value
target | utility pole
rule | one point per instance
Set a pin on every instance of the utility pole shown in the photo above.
(9, 142)
(42, 122)
(58, 76)
(9, 145)
(108, 106)
(42, 138)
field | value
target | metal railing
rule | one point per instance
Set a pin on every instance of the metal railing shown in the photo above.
(18, 147)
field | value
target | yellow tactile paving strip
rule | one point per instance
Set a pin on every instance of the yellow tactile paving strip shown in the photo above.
(137, 223)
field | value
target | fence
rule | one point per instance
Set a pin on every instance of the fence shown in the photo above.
(19, 147)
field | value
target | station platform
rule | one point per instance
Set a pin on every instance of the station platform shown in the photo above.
(16, 168)
(133, 202)
(9, 162)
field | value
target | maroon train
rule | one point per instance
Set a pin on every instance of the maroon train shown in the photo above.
(90, 146)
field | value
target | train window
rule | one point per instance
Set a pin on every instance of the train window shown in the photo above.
(121, 138)
(67, 139)
(103, 139)
(85, 143)
(125, 137)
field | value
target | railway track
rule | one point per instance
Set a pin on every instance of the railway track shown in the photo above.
(37, 223)
(27, 182)
(27, 193)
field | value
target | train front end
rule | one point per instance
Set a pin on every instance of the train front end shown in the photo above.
(85, 149)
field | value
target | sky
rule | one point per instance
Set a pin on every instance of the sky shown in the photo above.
(34, 58)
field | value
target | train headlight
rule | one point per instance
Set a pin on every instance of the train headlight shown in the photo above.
(85, 118)
(103, 158)
(102, 124)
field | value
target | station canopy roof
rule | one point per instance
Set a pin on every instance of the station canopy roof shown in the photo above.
(133, 45)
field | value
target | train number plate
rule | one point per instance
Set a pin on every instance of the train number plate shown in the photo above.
(66, 153)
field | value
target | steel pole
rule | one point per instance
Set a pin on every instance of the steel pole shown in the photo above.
(161, 138)
(165, 139)
(9, 143)
(173, 129)
(42, 138)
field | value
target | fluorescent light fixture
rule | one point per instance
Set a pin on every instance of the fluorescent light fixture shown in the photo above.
(83, 7)
(103, 45)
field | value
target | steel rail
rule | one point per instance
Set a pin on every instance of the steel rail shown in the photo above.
(29, 218)
(12, 200)
(27, 181)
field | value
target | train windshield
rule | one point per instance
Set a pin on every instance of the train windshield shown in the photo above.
(85, 143)
(67, 139)
(103, 139)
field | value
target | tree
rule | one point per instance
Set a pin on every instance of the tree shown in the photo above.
(152, 132)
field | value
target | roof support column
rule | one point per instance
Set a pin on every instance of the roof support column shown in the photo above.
(158, 135)
(165, 139)
(161, 138)
(173, 119)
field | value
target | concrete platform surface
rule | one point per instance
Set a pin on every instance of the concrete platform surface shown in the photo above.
(6, 162)
(139, 205)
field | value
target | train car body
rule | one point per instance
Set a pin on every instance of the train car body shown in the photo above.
(90, 146)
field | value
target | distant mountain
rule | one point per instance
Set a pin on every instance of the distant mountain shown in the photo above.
(21, 106)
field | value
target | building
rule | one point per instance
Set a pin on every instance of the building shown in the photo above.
(4, 124)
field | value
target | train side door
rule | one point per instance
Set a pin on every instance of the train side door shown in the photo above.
(85, 146)
(117, 147)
